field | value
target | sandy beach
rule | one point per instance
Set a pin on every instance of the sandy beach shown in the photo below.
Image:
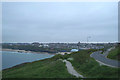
(23, 51)
(63, 53)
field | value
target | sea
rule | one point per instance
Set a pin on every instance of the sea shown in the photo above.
(12, 58)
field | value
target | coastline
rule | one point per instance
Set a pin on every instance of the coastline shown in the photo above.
(23, 51)
(21, 64)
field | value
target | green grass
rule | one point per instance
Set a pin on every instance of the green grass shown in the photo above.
(88, 67)
(55, 68)
(48, 68)
(114, 54)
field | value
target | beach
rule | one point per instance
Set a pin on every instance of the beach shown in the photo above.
(23, 51)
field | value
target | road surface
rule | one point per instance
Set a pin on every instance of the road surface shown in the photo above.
(71, 70)
(103, 60)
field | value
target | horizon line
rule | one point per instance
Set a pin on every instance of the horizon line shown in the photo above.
(62, 42)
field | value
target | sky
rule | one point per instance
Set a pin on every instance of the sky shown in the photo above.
(59, 22)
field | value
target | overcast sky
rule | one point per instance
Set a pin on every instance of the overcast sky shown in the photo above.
(60, 22)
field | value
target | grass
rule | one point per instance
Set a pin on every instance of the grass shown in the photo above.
(48, 68)
(89, 68)
(55, 68)
(114, 54)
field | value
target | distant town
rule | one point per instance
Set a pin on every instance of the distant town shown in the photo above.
(56, 47)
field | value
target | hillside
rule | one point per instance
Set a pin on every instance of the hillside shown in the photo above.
(48, 68)
(114, 54)
(55, 68)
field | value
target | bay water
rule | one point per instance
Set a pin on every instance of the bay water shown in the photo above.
(12, 58)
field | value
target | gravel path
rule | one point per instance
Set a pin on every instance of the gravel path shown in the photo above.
(71, 70)
(107, 52)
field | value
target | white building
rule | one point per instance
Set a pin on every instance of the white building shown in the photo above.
(74, 50)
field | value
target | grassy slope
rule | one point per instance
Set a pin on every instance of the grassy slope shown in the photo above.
(49, 68)
(114, 54)
(54, 68)
(89, 68)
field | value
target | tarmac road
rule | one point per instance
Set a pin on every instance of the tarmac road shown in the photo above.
(102, 59)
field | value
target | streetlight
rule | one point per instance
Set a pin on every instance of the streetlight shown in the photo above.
(78, 44)
(88, 38)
